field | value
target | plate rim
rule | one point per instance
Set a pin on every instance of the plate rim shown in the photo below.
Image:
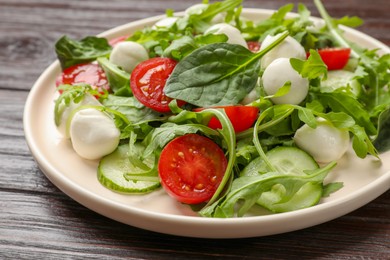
(96, 202)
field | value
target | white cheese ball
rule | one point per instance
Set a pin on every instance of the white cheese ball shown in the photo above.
(288, 48)
(277, 74)
(128, 54)
(197, 9)
(325, 143)
(93, 134)
(167, 23)
(233, 34)
(87, 100)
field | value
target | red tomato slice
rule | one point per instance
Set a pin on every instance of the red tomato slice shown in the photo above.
(253, 46)
(335, 58)
(148, 80)
(191, 167)
(89, 73)
(241, 117)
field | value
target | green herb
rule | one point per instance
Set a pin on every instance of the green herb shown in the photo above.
(216, 74)
(71, 52)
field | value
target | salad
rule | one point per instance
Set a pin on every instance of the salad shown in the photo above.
(224, 113)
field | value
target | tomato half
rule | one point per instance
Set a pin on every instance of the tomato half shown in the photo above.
(335, 58)
(241, 117)
(148, 80)
(253, 46)
(117, 40)
(89, 73)
(191, 167)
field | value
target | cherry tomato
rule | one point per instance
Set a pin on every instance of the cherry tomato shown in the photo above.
(335, 58)
(241, 117)
(253, 46)
(117, 40)
(89, 73)
(148, 80)
(191, 167)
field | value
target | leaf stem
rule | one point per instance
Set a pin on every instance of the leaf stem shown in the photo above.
(333, 29)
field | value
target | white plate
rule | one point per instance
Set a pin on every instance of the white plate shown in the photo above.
(364, 180)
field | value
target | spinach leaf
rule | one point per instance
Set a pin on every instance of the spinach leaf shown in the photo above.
(71, 52)
(117, 78)
(216, 74)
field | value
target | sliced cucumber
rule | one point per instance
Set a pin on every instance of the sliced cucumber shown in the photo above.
(291, 161)
(341, 79)
(111, 172)
(288, 160)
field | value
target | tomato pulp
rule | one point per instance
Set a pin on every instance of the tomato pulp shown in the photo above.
(148, 80)
(254, 46)
(335, 58)
(191, 167)
(241, 117)
(88, 73)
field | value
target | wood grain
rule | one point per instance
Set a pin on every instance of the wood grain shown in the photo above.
(38, 221)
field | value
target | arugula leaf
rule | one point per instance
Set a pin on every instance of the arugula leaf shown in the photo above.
(71, 95)
(342, 102)
(382, 140)
(311, 68)
(216, 74)
(132, 109)
(71, 52)
(248, 189)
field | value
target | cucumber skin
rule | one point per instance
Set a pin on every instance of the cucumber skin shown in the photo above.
(119, 157)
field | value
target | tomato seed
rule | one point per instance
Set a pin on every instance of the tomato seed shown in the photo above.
(199, 186)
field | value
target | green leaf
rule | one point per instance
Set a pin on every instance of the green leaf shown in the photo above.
(311, 68)
(117, 78)
(382, 141)
(248, 189)
(342, 102)
(71, 52)
(134, 111)
(353, 21)
(216, 74)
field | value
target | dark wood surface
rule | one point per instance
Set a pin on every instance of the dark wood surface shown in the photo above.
(38, 221)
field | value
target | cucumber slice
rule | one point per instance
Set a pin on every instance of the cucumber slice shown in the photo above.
(289, 160)
(111, 172)
(292, 161)
(341, 79)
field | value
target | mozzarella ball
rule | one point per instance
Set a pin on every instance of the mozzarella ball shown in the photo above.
(87, 100)
(167, 22)
(233, 34)
(288, 48)
(325, 143)
(128, 54)
(277, 74)
(93, 134)
(197, 9)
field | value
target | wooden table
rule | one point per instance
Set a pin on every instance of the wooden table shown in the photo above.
(38, 221)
